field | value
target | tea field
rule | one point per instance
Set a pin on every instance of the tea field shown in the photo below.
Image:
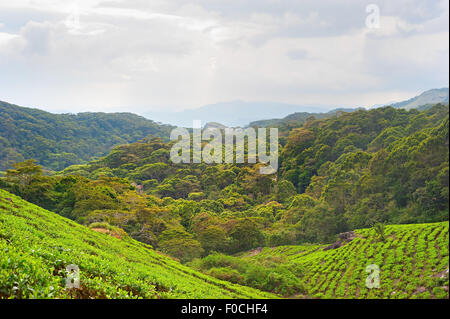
(413, 262)
(36, 246)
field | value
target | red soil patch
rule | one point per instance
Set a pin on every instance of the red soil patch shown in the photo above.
(107, 231)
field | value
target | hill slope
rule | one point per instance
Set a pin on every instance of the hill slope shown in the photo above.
(60, 140)
(413, 261)
(429, 97)
(36, 247)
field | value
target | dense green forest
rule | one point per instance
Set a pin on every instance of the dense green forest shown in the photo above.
(59, 140)
(349, 171)
(363, 169)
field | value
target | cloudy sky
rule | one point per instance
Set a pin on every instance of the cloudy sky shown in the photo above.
(146, 55)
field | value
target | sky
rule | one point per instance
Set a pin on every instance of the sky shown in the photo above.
(171, 55)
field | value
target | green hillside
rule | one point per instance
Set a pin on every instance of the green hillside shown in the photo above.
(36, 246)
(413, 261)
(59, 140)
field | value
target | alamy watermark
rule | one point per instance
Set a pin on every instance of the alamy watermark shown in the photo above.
(73, 277)
(373, 279)
(72, 21)
(373, 17)
(228, 145)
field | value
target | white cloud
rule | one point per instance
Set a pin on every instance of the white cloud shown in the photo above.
(133, 55)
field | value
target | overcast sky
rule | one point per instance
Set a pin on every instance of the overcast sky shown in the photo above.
(142, 55)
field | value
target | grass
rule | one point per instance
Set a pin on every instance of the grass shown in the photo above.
(36, 246)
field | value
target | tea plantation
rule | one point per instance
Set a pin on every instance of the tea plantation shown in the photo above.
(413, 262)
(36, 246)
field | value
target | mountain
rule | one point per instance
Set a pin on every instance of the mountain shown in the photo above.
(235, 113)
(37, 245)
(240, 113)
(427, 98)
(59, 140)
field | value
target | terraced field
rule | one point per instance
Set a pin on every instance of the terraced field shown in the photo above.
(413, 261)
(36, 246)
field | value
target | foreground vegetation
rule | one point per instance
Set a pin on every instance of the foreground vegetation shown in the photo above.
(36, 246)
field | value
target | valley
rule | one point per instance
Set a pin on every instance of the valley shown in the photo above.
(373, 182)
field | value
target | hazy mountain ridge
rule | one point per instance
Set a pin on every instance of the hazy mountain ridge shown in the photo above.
(60, 140)
(421, 102)
(234, 113)
(429, 97)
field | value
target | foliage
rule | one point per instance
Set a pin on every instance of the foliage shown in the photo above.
(380, 230)
(59, 140)
(271, 276)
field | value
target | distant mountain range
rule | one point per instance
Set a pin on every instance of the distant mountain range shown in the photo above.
(235, 113)
(59, 140)
(241, 113)
(422, 101)
(429, 97)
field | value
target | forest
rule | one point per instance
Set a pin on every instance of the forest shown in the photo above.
(365, 169)
(59, 140)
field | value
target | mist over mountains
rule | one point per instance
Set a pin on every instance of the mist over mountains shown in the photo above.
(235, 113)
(242, 113)
(429, 97)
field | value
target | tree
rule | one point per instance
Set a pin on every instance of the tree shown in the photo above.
(179, 244)
(380, 230)
(284, 191)
(320, 224)
(245, 235)
(24, 171)
(213, 238)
